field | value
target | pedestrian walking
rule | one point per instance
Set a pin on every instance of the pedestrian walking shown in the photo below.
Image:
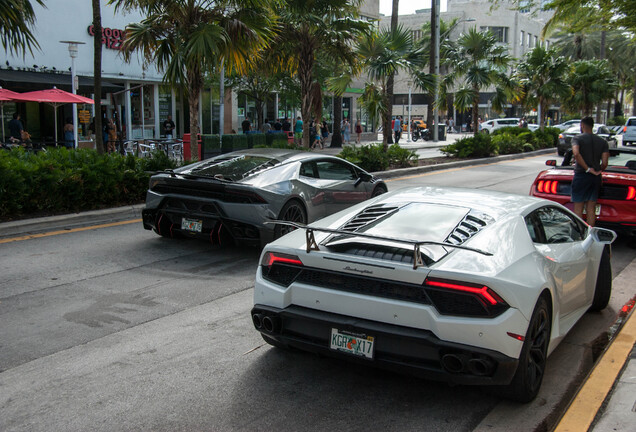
(168, 127)
(298, 132)
(346, 131)
(591, 155)
(246, 125)
(397, 129)
(358, 131)
(266, 127)
(324, 131)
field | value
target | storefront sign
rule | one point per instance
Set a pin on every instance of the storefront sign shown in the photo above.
(84, 116)
(111, 38)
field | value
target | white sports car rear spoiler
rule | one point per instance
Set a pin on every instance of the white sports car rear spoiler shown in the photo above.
(417, 257)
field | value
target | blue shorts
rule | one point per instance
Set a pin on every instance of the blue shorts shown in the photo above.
(585, 187)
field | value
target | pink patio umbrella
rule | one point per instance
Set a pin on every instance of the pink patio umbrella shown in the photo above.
(6, 96)
(54, 97)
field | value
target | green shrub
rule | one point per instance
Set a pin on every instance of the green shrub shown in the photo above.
(256, 139)
(59, 180)
(509, 130)
(233, 142)
(479, 145)
(616, 121)
(401, 157)
(369, 157)
(275, 140)
(507, 143)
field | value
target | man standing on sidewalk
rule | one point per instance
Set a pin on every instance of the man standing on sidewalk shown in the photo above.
(591, 154)
(397, 129)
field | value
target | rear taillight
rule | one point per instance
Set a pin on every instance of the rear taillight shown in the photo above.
(631, 193)
(485, 295)
(548, 186)
(624, 129)
(281, 268)
(271, 258)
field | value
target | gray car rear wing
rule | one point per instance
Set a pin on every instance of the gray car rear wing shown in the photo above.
(417, 257)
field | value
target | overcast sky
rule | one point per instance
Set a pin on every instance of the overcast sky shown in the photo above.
(407, 7)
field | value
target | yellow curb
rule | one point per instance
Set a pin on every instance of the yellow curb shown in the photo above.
(52, 233)
(588, 401)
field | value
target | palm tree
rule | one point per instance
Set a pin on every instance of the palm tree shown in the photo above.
(593, 82)
(478, 62)
(97, 75)
(383, 54)
(307, 28)
(542, 75)
(186, 38)
(16, 20)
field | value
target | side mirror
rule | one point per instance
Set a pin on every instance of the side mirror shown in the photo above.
(603, 235)
(550, 162)
(363, 177)
(600, 235)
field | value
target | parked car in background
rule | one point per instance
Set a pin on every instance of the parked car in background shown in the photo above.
(568, 124)
(629, 131)
(491, 125)
(229, 197)
(565, 138)
(462, 285)
(616, 205)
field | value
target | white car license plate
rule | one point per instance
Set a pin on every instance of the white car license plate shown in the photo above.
(194, 225)
(356, 344)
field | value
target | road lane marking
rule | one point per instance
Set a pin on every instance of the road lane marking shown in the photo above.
(53, 233)
(583, 409)
(457, 169)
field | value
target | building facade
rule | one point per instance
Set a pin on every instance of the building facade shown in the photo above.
(519, 31)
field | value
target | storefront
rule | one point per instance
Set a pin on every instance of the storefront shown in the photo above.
(132, 95)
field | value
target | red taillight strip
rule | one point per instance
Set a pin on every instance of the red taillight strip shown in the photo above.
(631, 192)
(553, 189)
(540, 186)
(272, 259)
(548, 186)
(516, 336)
(482, 291)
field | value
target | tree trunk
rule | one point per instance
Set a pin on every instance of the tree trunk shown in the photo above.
(543, 106)
(430, 99)
(305, 69)
(387, 132)
(634, 99)
(336, 137)
(195, 84)
(97, 76)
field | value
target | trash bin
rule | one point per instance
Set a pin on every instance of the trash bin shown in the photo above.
(187, 153)
(441, 132)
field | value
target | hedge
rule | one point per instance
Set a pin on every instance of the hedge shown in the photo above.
(62, 181)
(373, 157)
(506, 140)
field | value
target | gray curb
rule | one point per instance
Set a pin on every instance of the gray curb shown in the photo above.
(69, 221)
(401, 172)
(96, 217)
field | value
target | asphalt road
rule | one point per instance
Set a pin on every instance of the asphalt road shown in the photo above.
(120, 329)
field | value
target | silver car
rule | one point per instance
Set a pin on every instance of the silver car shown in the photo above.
(229, 197)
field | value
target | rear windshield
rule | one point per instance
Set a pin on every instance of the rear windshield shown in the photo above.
(236, 168)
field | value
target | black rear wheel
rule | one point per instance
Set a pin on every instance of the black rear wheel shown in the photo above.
(526, 383)
(293, 211)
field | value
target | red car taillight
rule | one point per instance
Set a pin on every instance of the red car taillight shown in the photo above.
(548, 186)
(485, 295)
(631, 193)
(271, 258)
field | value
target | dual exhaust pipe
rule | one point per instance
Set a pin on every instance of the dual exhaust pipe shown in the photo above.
(457, 363)
(270, 324)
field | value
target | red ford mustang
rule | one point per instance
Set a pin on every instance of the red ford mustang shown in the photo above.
(616, 206)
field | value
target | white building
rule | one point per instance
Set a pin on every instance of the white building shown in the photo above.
(518, 30)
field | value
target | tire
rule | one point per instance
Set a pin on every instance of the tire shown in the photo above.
(293, 211)
(378, 191)
(603, 290)
(526, 383)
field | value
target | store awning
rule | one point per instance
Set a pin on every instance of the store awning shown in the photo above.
(23, 81)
